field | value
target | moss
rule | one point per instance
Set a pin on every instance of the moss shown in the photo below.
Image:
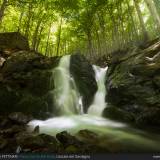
(118, 114)
(32, 105)
(72, 149)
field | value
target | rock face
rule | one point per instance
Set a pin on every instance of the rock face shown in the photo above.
(25, 84)
(133, 84)
(10, 43)
(13, 40)
(26, 80)
(15, 137)
(84, 76)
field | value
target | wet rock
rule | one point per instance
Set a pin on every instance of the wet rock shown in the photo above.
(118, 114)
(11, 146)
(19, 118)
(66, 139)
(51, 142)
(36, 130)
(48, 138)
(87, 136)
(84, 76)
(18, 150)
(3, 143)
(12, 131)
(5, 123)
(37, 143)
(26, 81)
(13, 41)
(71, 149)
(84, 141)
(2, 60)
(149, 117)
(132, 82)
(27, 61)
(30, 141)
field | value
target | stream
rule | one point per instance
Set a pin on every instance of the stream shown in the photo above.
(71, 118)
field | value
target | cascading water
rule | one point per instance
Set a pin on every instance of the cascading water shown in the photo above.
(99, 103)
(69, 106)
(66, 97)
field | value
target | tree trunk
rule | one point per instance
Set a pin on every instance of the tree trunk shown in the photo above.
(28, 20)
(34, 41)
(39, 39)
(132, 20)
(103, 37)
(90, 49)
(59, 37)
(142, 24)
(48, 39)
(157, 4)
(20, 21)
(153, 10)
(2, 9)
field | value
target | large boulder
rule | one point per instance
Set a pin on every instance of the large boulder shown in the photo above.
(12, 41)
(133, 81)
(26, 84)
(84, 77)
(15, 137)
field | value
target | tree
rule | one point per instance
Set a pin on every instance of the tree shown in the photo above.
(153, 10)
(92, 27)
(142, 24)
(3, 8)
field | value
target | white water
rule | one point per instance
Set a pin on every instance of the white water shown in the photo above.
(70, 108)
(69, 104)
(74, 123)
(99, 103)
(66, 96)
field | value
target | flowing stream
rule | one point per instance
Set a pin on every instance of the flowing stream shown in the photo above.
(71, 118)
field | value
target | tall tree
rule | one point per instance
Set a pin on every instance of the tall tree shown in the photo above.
(59, 36)
(142, 24)
(153, 10)
(2, 9)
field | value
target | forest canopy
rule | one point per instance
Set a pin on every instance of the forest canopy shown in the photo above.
(91, 27)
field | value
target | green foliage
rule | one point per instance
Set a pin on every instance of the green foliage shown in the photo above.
(92, 27)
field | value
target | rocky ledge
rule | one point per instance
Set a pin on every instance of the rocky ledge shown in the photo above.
(27, 81)
(16, 137)
(133, 85)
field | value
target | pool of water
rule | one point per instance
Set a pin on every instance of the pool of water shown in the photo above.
(108, 131)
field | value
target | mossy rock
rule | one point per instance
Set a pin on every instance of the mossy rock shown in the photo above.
(71, 149)
(84, 77)
(26, 83)
(8, 99)
(118, 114)
(133, 80)
(150, 116)
(32, 105)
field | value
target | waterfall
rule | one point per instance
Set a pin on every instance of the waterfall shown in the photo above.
(99, 104)
(69, 106)
(66, 96)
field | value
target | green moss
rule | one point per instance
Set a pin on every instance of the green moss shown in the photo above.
(118, 114)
